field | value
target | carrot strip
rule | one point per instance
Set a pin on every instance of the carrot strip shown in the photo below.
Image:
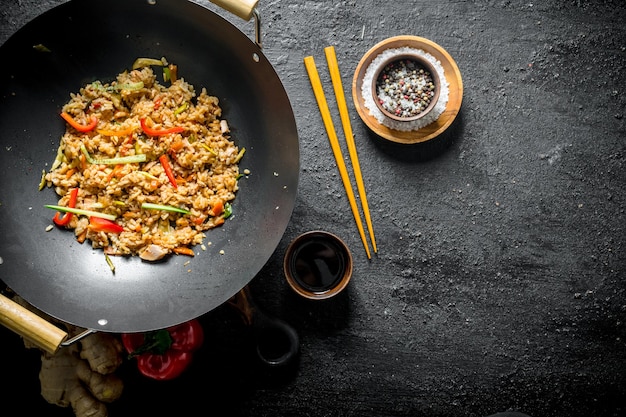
(69, 173)
(182, 250)
(81, 128)
(114, 172)
(218, 208)
(177, 145)
(198, 220)
(122, 132)
(81, 238)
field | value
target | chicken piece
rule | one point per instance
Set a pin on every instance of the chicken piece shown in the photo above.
(153, 253)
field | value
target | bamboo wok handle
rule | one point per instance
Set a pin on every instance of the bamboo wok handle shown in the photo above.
(30, 326)
(242, 8)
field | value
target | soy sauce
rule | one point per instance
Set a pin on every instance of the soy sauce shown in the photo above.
(318, 264)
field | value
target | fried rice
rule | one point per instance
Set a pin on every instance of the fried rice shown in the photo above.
(136, 115)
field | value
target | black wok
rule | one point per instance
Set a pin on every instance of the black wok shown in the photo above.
(95, 40)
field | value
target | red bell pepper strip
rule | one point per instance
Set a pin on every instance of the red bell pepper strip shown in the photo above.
(164, 354)
(168, 170)
(159, 132)
(98, 224)
(65, 220)
(81, 128)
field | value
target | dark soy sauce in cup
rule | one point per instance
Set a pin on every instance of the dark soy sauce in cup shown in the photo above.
(318, 264)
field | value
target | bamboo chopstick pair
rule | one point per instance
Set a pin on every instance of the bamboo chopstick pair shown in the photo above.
(333, 68)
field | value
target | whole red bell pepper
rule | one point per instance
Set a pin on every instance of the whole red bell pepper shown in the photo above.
(165, 354)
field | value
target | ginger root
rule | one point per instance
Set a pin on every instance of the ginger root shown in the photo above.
(66, 379)
(82, 375)
(103, 352)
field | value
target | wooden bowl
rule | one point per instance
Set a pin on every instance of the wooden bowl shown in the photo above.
(317, 265)
(452, 76)
(420, 62)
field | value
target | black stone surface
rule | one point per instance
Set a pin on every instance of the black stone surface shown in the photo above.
(500, 278)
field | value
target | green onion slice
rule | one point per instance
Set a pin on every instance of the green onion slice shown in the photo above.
(151, 206)
(147, 175)
(228, 211)
(126, 86)
(146, 62)
(113, 161)
(181, 108)
(109, 262)
(41, 48)
(42, 182)
(208, 149)
(167, 74)
(64, 209)
(58, 158)
(240, 155)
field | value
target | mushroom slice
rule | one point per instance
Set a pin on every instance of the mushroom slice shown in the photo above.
(153, 253)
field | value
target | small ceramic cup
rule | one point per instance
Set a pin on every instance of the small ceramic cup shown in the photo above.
(405, 87)
(318, 265)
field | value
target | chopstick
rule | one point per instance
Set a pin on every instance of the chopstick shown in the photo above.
(333, 68)
(316, 83)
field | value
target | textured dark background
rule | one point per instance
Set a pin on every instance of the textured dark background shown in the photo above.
(500, 278)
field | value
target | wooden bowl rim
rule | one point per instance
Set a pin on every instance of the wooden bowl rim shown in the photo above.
(451, 73)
